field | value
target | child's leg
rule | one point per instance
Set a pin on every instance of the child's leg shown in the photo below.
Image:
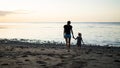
(79, 46)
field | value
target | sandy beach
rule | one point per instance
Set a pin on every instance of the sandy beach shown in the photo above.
(56, 56)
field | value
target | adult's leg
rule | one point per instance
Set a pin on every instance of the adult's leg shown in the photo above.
(68, 41)
(67, 44)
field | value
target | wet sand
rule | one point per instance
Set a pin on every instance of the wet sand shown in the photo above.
(53, 56)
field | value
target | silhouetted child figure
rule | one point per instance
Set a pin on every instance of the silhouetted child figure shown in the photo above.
(79, 40)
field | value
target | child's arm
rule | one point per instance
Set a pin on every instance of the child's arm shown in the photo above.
(74, 38)
(82, 41)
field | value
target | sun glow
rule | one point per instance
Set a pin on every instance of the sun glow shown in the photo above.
(59, 10)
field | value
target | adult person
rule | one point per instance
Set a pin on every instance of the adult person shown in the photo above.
(67, 34)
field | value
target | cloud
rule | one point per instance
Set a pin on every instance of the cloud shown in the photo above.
(1, 27)
(21, 11)
(4, 13)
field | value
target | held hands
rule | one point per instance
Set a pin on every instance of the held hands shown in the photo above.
(73, 37)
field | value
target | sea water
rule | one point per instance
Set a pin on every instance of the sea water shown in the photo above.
(100, 33)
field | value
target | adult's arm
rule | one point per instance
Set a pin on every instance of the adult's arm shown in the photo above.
(72, 33)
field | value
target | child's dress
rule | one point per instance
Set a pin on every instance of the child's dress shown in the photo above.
(79, 39)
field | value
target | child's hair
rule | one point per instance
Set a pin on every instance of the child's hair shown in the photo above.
(79, 34)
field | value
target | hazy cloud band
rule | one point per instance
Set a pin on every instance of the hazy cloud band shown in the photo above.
(4, 13)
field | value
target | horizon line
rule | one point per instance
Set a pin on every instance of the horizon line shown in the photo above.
(56, 22)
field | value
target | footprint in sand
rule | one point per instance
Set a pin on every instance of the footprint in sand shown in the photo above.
(19, 63)
(27, 60)
(4, 64)
(41, 62)
(117, 60)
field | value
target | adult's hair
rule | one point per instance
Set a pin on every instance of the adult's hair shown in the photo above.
(68, 22)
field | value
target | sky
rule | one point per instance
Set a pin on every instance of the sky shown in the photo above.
(59, 10)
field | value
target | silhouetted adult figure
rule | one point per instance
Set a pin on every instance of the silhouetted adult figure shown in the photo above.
(67, 34)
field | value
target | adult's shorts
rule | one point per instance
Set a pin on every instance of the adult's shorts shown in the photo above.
(67, 36)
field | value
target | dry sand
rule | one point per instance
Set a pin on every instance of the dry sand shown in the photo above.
(25, 56)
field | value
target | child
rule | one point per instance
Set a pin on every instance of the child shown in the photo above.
(79, 40)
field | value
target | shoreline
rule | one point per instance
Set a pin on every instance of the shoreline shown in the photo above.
(42, 42)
